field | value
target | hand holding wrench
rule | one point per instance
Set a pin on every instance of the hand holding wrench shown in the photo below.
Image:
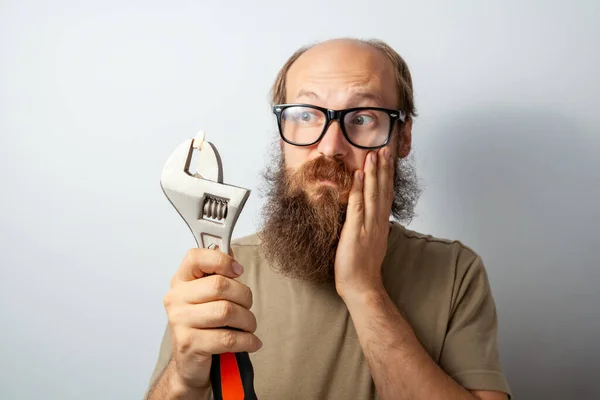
(210, 209)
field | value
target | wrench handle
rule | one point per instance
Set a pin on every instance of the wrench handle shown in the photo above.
(232, 377)
(231, 374)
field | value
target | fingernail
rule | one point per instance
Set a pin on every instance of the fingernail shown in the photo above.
(237, 268)
(360, 175)
(260, 344)
(374, 157)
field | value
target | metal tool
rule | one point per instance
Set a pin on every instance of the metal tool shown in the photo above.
(210, 208)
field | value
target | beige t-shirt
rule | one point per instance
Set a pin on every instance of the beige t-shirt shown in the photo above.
(311, 349)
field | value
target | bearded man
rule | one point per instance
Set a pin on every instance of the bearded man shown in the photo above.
(334, 297)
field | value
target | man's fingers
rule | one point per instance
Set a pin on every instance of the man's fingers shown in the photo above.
(218, 314)
(371, 194)
(195, 342)
(385, 182)
(213, 288)
(356, 204)
(201, 262)
(219, 341)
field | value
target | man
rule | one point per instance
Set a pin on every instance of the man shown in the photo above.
(334, 301)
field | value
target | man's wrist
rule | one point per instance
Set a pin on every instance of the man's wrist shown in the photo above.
(181, 391)
(361, 298)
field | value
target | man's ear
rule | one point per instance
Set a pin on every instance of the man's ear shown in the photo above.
(405, 141)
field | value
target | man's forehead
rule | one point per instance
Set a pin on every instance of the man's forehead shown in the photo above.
(363, 72)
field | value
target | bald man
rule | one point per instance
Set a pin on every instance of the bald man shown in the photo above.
(334, 298)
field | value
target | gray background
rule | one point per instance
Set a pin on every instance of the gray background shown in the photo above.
(93, 98)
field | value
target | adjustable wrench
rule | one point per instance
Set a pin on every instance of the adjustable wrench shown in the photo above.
(210, 209)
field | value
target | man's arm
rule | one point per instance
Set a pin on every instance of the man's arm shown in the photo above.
(401, 368)
(169, 386)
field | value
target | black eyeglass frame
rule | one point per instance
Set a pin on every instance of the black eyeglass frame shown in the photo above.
(338, 115)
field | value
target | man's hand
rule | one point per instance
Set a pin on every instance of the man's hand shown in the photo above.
(363, 240)
(199, 305)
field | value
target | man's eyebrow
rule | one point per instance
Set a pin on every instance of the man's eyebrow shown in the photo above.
(361, 96)
(357, 96)
(307, 93)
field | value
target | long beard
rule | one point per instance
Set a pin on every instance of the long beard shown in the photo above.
(303, 218)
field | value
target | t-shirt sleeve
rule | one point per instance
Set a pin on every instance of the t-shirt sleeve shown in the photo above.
(470, 352)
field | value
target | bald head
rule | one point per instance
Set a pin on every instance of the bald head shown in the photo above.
(340, 74)
(352, 57)
(342, 54)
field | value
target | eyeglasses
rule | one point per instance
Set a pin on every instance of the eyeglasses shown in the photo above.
(364, 127)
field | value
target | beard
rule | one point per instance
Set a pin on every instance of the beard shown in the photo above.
(303, 217)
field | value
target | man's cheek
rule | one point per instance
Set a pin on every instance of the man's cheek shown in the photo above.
(294, 156)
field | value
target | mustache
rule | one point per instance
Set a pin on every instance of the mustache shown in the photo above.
(325, 168)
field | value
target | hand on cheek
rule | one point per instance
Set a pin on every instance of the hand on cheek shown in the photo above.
(363, 240)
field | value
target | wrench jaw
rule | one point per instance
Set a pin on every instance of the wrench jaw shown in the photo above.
(209, 208)
(180, 161)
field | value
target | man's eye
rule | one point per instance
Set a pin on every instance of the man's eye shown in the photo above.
(362, 119)
(305, 116)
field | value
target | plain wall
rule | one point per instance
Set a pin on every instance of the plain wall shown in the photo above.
(94, 97)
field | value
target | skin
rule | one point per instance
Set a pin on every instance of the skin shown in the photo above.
(337, 74)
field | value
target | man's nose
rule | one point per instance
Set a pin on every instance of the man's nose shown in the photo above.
(333, 143)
